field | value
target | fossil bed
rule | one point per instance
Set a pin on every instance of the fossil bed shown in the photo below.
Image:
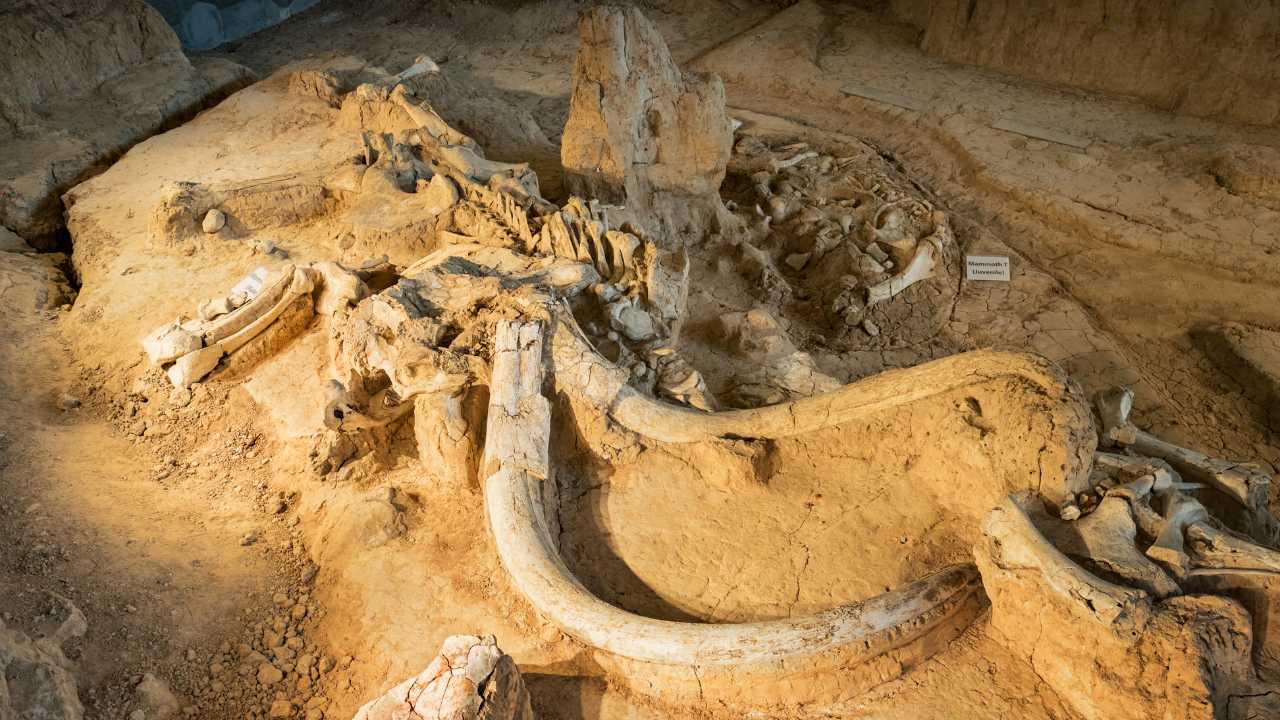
(196, 527)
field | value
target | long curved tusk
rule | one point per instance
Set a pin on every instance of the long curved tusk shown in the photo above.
(517, 466)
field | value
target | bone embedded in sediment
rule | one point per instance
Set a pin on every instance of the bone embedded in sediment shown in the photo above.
(517, 436)
(1169, 549)
(1114, 406)
(629, 317)
(340, 288)
(449, 428)
(301, 281)
(193, 366)
(922, 266)
(429, 120)
(422, 65)
(170, 342)
(623, 247)
(272, 289)
(1107, 538)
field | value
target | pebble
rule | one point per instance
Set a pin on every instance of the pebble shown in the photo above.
(67, 401)
(249, 539)
(213, 221)
(280, 708)
(299, 611)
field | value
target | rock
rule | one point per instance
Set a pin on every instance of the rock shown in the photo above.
(280, 708)
(11, 242)
(269, 674)
(34, 677)
(67, 401)
(214, 220)
(797, 261)
(640, 132)
(155, 699)
(470, 679)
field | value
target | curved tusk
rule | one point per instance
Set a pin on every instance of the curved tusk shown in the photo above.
(862, 630)
(516, 460)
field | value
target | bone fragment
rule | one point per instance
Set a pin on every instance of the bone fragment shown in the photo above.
(1113, 407)
(1107, 537)
(170, 342)
(1169, 547)
(422, 65)
(921, 267)
(792, 161)
(193, 366)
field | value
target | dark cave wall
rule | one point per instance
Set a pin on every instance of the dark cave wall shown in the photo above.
(1199, 57)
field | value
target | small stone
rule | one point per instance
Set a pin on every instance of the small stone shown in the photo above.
(180, 397)
(67, 401)
(249, 538)
(280, 709)
(870, 328)
(214, 220)
(1070, 512)
(269, 674)
(797, 260)
(299, 611)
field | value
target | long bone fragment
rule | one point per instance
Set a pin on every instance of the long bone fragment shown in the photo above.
(1244, 483)
(517, 469)
(231, 332)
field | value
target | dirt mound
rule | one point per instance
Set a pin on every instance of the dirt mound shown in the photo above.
(1201, 60)
(82, 82)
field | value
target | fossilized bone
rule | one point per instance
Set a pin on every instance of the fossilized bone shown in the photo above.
(1092, 632)
(922, 266)
(1244, 483)
(517, 466)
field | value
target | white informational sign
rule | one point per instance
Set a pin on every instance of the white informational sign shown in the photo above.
(986, 267)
